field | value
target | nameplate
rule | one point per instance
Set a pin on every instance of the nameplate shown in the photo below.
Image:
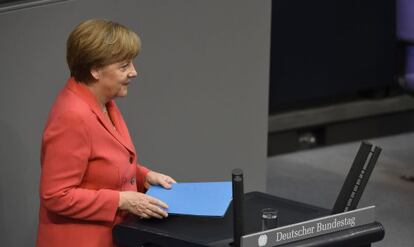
(310, 228)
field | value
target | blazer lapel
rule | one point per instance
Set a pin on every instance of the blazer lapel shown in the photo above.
(118, 131)
(118, 121)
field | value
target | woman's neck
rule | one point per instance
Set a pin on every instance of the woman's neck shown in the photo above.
(100, 98)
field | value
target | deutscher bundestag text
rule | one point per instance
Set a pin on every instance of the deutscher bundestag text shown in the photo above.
(316, 227)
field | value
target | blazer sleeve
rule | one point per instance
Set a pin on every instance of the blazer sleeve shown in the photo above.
(66, 148)
(142, 172)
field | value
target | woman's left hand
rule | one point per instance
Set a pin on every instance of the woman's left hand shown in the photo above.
(156, 178)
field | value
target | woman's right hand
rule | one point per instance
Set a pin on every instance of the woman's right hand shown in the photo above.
(142, 205)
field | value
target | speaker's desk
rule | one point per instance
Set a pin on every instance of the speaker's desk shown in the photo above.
(207, 231)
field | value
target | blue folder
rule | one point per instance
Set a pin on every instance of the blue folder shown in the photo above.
(199, 198)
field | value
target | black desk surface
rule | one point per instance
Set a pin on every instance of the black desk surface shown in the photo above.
(209, 231)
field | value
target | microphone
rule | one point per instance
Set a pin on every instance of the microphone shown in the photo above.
(238, 206)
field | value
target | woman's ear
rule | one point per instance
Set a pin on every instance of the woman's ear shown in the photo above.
(95, 72)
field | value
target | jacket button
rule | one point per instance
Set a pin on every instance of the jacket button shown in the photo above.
(132, 181)
(131, 159)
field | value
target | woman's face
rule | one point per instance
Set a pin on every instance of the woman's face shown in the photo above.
(113, 80)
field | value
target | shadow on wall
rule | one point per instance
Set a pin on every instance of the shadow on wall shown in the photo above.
(19, 189)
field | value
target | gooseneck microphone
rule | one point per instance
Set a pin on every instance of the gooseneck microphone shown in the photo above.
(238, 206)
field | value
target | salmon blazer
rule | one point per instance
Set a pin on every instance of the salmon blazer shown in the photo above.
(86, 161)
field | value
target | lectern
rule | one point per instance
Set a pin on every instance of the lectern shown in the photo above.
(245, 218)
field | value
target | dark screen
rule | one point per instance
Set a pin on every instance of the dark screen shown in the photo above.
(322, 50)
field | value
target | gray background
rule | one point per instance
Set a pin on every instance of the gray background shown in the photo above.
(321, 172)
(197, 110)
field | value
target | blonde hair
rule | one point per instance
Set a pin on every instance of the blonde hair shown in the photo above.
(97, 43)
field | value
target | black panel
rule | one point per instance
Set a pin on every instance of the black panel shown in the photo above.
(324, 50)
(347, 131)
(9, 1)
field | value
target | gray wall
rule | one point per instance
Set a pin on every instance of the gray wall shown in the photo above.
(197, 110)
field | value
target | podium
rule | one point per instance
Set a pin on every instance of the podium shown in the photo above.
(194, 231)
(243, 218)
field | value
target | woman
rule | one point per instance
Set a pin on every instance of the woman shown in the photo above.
(90, 178)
